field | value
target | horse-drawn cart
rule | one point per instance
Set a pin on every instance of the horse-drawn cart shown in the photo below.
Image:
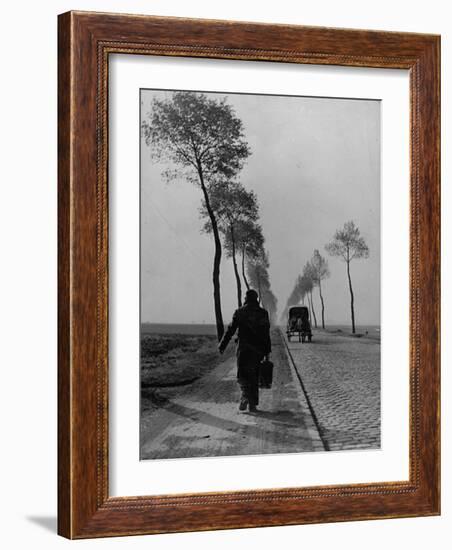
(298, 324)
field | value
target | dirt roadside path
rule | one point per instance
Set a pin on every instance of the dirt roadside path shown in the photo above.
(204, 420)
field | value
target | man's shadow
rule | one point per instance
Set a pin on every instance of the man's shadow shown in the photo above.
(49, 523)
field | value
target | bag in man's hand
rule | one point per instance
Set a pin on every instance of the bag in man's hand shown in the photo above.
(265, 374)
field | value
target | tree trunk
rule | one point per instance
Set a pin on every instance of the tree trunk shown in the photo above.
(352, 298)
(323, 304)
(216, 259)
(243, 268)
(313, 310)
(259, 288)
(236, 271)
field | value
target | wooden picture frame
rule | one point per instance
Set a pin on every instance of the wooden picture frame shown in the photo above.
(85, 42)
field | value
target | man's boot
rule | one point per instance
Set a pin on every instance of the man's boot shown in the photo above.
(243, 404)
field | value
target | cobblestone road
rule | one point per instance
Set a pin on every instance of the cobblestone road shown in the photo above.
(341, 376)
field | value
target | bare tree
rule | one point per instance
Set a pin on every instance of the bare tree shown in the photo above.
(348, 245)
(320, 271)
(204, 141)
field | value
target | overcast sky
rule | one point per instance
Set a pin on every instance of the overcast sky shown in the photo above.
(315, 164)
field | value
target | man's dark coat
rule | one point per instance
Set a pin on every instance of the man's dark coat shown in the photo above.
(253, 326)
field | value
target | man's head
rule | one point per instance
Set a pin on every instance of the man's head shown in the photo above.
(251, 297)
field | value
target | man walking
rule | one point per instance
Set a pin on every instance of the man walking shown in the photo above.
(254, 344)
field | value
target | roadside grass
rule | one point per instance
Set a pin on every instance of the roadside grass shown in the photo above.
(170, 361)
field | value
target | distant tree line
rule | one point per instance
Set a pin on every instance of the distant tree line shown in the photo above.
(203, 142)
(346, 244)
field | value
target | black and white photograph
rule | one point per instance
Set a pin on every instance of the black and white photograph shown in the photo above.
(260, 274)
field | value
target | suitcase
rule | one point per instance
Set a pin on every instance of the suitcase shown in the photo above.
(265, 374)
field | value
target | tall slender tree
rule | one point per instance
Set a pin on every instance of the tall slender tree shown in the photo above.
(233, 206)
(271, 304)
(259, 278)
(203, 141)
(258, 274)
(320, 271)
(251, 242)
(303, 286)
(308, 277)
(348, 245)
(302, 290)
(296, 297)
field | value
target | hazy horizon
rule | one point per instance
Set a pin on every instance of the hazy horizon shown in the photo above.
(315, 164)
